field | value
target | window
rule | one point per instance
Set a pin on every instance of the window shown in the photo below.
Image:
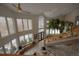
(27, 38)
(47, 31)
(41, 30)
(8, 48)
(1, 50)
(25, 24)
(41, 22)
(11, 26)
(47, 21)
(52, 31)
(3, 27)
(77, 21)
(22, 41)
(20, 25)
(15, 47)
(30, 37)
(58, 31)
(30, 24)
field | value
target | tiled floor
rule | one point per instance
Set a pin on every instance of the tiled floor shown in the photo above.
(58, 50)
(37, 48)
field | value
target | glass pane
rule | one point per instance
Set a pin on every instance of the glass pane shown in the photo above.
(47, 21)
(3, 27)
(15, 47)
(52, 31)
(58, 31)
(1, 50)
(8, 48)
(30, 37)
(25, 24)
(77, 23)
(41, 30)
(47, 31)
(11, 27)
(22, 41)
(19, 24)
(30, 24)
(41, 22)
(55, 31)
(27, 38)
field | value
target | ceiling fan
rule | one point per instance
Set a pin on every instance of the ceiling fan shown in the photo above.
(19, 8)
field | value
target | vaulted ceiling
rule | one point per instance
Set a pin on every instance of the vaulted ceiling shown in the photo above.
(47, 9)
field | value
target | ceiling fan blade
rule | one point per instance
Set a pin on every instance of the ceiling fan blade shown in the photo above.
(19, 6)
(14, 5)
(19, 9)
(26, 12)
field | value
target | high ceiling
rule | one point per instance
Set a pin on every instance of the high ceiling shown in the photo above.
(48, 9)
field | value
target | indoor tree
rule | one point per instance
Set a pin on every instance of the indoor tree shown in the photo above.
(59, 24)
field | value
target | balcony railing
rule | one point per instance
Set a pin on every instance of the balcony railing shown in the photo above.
(39, 36)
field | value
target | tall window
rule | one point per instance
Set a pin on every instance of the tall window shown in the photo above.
(27, 38)
(20, 25)
(22, 41)
(41, 24)
(47, 31)
(3, 27)
(25, 24)
(41, 30)
(1, 50)
(30, 37)
(11, 26)
(8, 48)
(30, 24)
(15, 47)
(77, 21)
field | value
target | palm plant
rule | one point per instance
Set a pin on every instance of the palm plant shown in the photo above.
(53, 24)
(49, 25)
(59, 24)
(62, 23)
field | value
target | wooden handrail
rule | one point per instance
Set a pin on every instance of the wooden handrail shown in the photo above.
(8, 55)
(21, 52)
(25, 48)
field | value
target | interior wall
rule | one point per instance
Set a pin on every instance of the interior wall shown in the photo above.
(6, 12)
(72, 15)
(61, 17)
